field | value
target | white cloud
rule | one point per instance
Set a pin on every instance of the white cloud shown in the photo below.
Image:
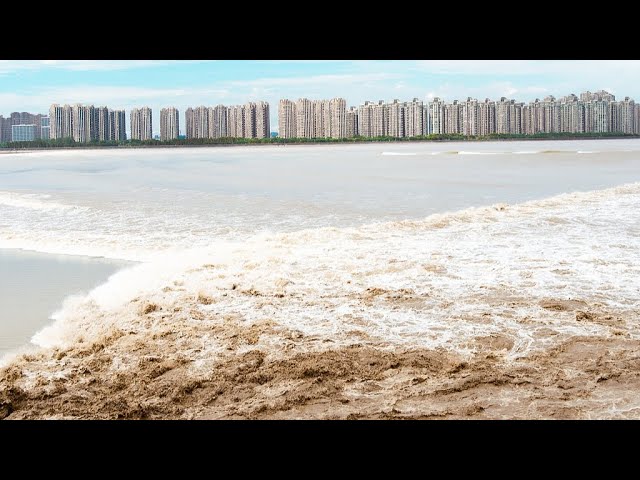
(315, 80)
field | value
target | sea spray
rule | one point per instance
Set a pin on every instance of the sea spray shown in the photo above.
(440, 282)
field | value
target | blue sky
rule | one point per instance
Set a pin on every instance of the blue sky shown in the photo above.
(32, 85)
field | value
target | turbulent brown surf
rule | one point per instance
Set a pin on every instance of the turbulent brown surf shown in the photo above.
(505, 311)
(307, 377)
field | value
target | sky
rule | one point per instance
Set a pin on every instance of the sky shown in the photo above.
(33, 85)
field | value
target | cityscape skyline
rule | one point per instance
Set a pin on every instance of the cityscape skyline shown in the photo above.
(126, 84)
(591, 112)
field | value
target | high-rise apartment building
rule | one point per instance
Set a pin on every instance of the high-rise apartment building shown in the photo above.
(415, 119)
(396, 114)
(287, 119)
(305, 121)
(103, 126)
(318, 118)
(249, 120)
(78, 122)
(118, 125)
(436, 116)
(263, 122)
(141, 124)
(235, 121)
(188, 123)
(502, 116)
(351, 123)
(453, 118)
(470, 117)
(338, 119)
(44, 127)
(5, 129)
(626, 116)
(218, 122)
(169, 123)
(365, 119)
(380, 119)
(306, 118)
(85, 123)
(601, 116)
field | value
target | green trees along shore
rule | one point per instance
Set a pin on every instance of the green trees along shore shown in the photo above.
(70, 143)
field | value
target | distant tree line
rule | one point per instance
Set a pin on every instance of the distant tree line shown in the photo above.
(70, 143)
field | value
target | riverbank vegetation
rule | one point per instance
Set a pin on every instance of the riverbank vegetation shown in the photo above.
(70, 143)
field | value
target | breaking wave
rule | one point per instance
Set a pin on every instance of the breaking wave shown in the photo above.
(463, 152)
(440, 282)
(34, 201)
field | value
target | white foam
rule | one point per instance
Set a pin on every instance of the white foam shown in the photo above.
(34, 202)
(465, 152)
(499, 261)
(399, 153)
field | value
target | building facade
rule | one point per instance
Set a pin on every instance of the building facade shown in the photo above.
(84, 123)
(351, 123)
(263, 121)
(306, 118)
(23, 133)
(286, 119)
(44, 128)
(141, 126)
(590, 112)
(169, 123)
(19, 118)
(250, 120)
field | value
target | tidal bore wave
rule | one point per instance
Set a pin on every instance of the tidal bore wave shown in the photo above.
(368, 321)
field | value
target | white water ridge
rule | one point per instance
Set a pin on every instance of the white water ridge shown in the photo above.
(439, 282)
(142, 204)
(418, 245)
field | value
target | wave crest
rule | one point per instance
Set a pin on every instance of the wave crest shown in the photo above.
(34, 201)
(437, 283)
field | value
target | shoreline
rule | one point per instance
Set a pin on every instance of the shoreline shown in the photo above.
(55, 277)
(5, 150)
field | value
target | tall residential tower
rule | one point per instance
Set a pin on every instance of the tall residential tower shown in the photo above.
(169, 123)
(141, 124)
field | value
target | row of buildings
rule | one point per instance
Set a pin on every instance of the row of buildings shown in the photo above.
(86, 123)
(250, 120)
(306, 118)
(597, 112)
(591, 112)
(24, 126)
